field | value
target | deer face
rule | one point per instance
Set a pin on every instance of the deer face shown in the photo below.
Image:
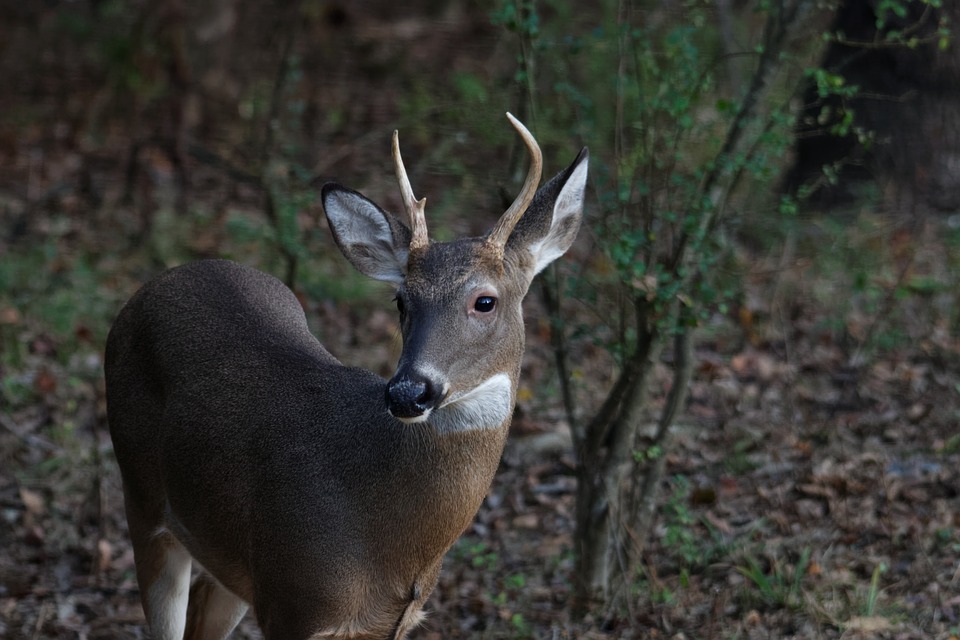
(462, 326)
(459, 302)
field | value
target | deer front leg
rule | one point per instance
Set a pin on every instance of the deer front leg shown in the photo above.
(213, 611)
(163, 573)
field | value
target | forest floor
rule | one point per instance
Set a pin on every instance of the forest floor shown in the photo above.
(813, 491)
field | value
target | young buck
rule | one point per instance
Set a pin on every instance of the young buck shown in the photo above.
(319, 494)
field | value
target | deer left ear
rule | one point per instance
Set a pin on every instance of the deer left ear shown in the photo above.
(550, 225)
(375, 242)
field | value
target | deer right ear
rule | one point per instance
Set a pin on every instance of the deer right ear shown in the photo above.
(374, 242)
(550, 225)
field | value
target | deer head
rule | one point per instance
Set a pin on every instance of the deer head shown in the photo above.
(459, 301)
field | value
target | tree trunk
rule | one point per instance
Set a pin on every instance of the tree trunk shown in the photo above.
(607, 547)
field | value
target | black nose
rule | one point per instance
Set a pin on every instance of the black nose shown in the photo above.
(410, 395)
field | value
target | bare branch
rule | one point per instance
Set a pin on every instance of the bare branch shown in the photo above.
(558, 341)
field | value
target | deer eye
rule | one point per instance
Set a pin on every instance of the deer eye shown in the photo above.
(485, 304)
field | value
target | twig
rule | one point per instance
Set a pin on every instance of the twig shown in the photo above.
(558, 342)
(682, 373)
(41, 618)
(903, 37)
(884, 310)
(776, 33)
(276, 95)
(212, 159)
(646, 499)
(24, 435)
(270, 205)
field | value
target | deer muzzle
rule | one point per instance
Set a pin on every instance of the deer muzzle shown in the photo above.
(411, 396)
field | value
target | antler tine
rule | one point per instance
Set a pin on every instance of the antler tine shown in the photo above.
(413, 207)
(501, 232)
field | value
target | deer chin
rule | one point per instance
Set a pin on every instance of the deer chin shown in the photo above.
(485, 406)
(423, 417)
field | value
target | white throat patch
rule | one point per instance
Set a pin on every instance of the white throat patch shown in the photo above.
(486, 406)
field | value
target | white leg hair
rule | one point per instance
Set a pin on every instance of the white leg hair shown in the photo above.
(213, 611)
(165, 585)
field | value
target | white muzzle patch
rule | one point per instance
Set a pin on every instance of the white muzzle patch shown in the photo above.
(486, 406)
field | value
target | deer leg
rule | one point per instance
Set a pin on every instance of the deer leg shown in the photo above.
(163, 573)
(213, 611)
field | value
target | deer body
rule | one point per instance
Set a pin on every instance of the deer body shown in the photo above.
(320, 494)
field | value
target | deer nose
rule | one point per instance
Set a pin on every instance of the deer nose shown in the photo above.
(410, 395)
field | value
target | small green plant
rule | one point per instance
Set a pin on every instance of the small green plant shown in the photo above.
(948, 539)
(780, 585)
(658, 593)
(684, 535)
(650, 453)
(874, 593)
(515, 581)
(951, 446)
(739, 462)
(509, 598)
(522, 628)
(681, 539)
(477, 553)
(16, 391)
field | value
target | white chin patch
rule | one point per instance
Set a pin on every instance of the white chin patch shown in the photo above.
(423, 417)
(486, 406)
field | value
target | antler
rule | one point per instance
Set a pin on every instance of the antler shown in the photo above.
(413, 207)
(501, 232)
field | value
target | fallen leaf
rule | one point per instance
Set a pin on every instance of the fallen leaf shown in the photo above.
(35, 536)
(105, 552)
(527, 521)
(33, 501)
(45, 382)
(869, 624)
(9, 315)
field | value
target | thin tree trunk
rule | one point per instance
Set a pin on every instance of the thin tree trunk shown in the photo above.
(651, 469)
(604, 465)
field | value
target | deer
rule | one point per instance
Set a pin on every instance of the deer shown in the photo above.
(319, 495)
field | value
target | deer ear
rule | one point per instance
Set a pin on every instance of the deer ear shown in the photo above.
(374, 242)
(550, 225)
